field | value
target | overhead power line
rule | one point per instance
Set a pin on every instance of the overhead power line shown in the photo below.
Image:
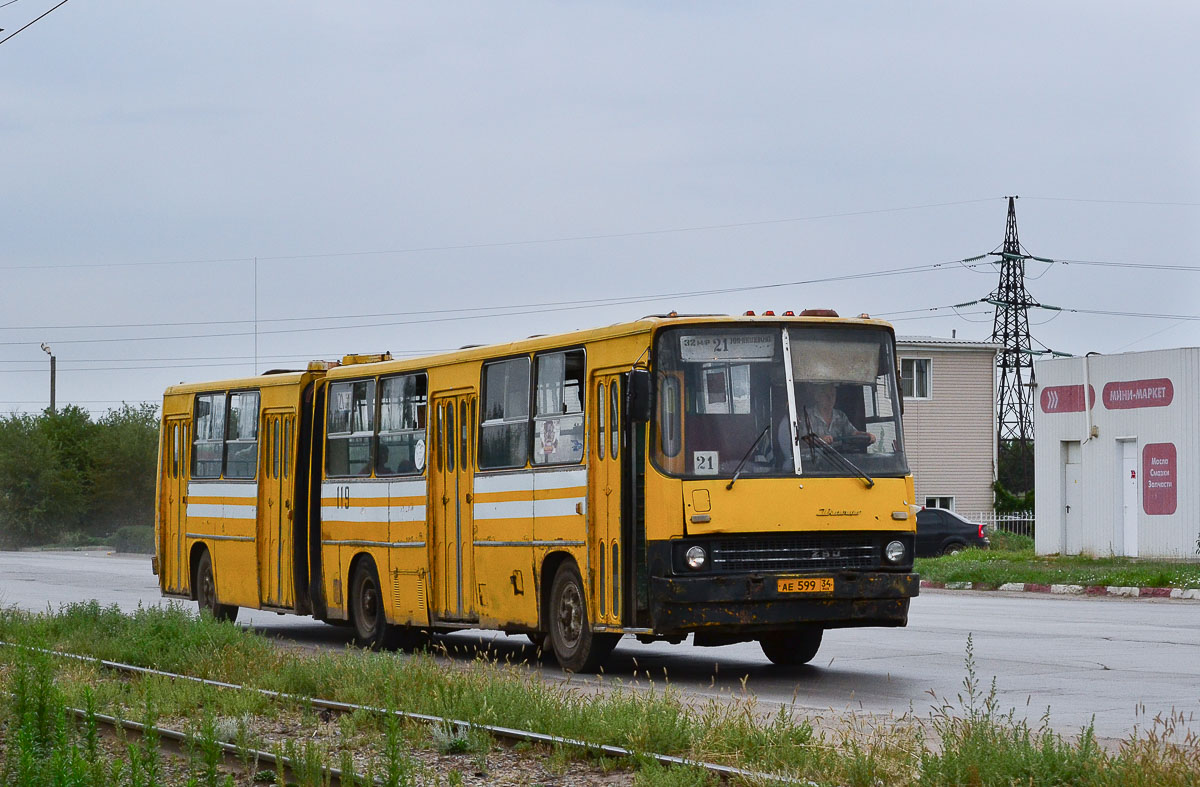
(30, 24)
(1116, 201)
(492, 312)
(510, 243)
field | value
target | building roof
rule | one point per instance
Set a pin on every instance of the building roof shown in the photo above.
(941, 342)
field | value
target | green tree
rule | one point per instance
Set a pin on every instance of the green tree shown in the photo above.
(124, 465)
(41, 497)
(61, 474)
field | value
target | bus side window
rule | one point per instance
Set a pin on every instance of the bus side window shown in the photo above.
(669, 415)
(209, 432)
(275, 448)
(351, 428)
(601, 429)
(615, 421)
(241, 444)
(450, 438)
(558, 430)
(504, 431)
(464, 430)
(287, 445)
(402, 406)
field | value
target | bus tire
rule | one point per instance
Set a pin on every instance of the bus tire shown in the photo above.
(576, 646)
(206, 591)
(792, 648)
(371, 629)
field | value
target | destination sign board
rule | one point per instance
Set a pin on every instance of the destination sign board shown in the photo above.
(702, 347)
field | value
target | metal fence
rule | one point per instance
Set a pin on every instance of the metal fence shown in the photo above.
(1021, 523)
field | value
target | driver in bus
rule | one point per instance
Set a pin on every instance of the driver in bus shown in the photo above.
(816, 415)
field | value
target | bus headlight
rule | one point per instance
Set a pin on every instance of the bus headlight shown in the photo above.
(894, 551)
(695, 558)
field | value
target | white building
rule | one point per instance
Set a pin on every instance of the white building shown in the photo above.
(1116, 470)
(949, 388)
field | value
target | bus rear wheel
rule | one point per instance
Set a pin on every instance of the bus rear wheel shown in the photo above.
(576, 646)
(206, 591)
(371, 629)
(792, 648)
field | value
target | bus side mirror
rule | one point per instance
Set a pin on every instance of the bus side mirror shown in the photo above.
(641, 399)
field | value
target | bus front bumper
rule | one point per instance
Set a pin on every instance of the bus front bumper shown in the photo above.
(750, 603)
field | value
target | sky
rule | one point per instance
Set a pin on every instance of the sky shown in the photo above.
(197, 191)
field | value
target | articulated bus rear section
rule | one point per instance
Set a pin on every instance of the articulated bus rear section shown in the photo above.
(231, 520)
(728, 478)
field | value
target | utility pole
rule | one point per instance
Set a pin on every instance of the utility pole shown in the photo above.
(1014, 403)
(46, 349)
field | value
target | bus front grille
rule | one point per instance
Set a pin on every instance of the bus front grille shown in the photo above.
(795, 553)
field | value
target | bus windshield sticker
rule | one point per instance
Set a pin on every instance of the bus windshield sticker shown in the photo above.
(705, 462)
(696, 348)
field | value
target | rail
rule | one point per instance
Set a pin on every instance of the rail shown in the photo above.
(503, 733)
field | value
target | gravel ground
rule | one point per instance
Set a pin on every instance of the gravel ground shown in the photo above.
(423, 763)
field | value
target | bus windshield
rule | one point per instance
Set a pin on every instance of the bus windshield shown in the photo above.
(776, 401)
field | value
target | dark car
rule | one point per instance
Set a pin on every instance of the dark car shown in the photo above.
(942, 532)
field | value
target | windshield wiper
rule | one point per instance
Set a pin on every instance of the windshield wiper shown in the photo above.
(753, 445)
(816, 442)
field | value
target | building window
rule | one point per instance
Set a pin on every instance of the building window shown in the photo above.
(914, 378)
(940, 502)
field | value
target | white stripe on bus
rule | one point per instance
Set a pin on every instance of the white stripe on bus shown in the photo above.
(222, 489)
(529, 509)
(562, 507)
(560, 479)
(513, 509)
(373, 514)
(222, 511)
(509, 482)
(529, 480)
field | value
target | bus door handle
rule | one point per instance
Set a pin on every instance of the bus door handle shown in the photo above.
(470, 498)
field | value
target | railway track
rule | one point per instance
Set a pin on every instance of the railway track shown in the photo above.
(236, 755)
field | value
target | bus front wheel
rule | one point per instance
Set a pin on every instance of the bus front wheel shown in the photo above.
(206, 591)
(576, 646)
(792, 648)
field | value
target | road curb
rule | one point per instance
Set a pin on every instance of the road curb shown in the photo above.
(1117, 591)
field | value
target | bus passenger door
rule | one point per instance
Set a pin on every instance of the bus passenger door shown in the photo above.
(453, 534)
(276, 509)
(605, 480)
(173, 499)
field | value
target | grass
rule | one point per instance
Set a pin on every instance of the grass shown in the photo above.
(1012, 559)
(968, 740)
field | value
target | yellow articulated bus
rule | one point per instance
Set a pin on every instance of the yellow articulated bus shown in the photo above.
(733, 478)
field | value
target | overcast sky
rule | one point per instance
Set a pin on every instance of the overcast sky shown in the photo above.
(400, 160)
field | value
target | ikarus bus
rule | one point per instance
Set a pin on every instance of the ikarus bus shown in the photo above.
(730, 478)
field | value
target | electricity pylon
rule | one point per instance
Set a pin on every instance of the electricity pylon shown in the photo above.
(1014, 399)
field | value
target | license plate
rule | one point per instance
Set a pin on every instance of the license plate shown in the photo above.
(806, 585)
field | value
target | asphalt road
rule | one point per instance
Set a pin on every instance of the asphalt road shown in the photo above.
(1118, 662)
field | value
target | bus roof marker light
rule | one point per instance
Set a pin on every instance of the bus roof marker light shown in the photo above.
(748, 313)
(789, 313)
